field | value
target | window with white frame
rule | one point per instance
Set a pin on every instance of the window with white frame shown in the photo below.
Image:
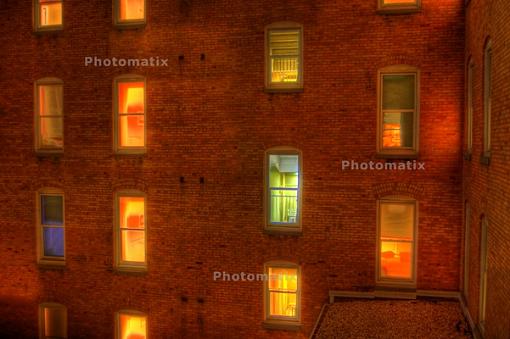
(52, 321)
(487, 98)
(398, 111)
(48, 14)
(51, 227)
(284, 64)
(283, 185)
(282, 291)
(130, 325)
(131, 229)
(129, 12)
(49, 115)
(129, 97)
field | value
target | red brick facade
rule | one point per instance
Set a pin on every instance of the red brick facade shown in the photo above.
(209, 122)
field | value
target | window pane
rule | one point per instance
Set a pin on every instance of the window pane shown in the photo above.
(132, 130)
(133, 245)
(398, 92)
(133, 326)
(50, 100)
(52, 210)
(132, 10)
(283, 304)
(53, 240)
(398, 129)
(400, 2)
(282, 279)
(51, 132)
(284, 52)
(282, 285)
(284, 185)
(55, 322)
(51, 13)
(132, 210)
(396, 259)
(131, 97)
(397, 221)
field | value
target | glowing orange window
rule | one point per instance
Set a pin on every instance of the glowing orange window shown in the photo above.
(131, 230)
(49, 115)
(131, 10)
(282, 292)
(131, 114)
(49, 13)
(132, 326)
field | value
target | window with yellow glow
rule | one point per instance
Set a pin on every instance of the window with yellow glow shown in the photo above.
(131, 326)
(49, 115)
(131, 231)
(396, 239)
(130, 114)
(284, 57)
(282, 292)
(53, 321)
(48, 14)
(283, 188)
(399, 4)
(130, 11)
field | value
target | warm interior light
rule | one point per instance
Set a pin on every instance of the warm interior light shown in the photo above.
(284, 52)
(133, 326)
(406, 2)
(132, 225)
(50, 13)
(284, 184)
(132, 10)
(54, 322)
(131, 114)
(50, 115)
(282, 291)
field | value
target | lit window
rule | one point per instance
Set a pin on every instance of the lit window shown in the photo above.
(49, 115)
(131, 325)
(283, 189)
(398, 114)
(131, 231)
(130, 12)
(399, 5)
(52, 321)
(48, 14)
(284, 61)
(282, 292)
(487, 98)
(130, 107)
(469, 108)
(51, 227)
(396, 239)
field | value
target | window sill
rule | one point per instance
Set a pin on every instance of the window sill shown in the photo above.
(130, 25)
(52, 264)
(397, 156)
(123, 152)
(49, 152)
(131, 270)
(284, 89)
(282, 325)
(44, 30)
(398, 10)
(485, 159)
(294, 231)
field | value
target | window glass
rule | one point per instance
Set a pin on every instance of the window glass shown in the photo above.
(132, 228)
(132, 10)
(131, 106)
(284, 53)
(50, 100)
(284, 187)
(50, 12)
(283, 287)
(133, 326)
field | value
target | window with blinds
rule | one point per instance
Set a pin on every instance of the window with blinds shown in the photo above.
(284, 58)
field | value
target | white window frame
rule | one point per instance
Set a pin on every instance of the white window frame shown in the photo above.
(404, 7)
(42, 322)
(484, 263)
(37, 18)
(41, 258)
(283, 227)
(119, 263)
(116, 132)
(397, 152)
(274, 86)
(469, 106)
(284, 320)
(39, 147)
(397, 282)
(487, 98)
(132, 313)
(128, 23)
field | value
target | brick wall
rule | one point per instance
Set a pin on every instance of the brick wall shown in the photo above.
(208, 116)
(487, 188)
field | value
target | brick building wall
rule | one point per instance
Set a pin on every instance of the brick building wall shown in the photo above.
(209, 117)
(487, 187)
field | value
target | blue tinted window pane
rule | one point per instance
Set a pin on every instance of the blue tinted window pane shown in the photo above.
(53, 239)
(51, 210)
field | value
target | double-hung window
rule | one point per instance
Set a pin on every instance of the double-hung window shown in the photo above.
(282, 292)
(129, 12)
(48, 15)
(49, 115)
(51, 228)
(52, 321)
(131, 324)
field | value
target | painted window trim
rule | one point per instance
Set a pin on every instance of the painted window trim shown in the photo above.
(410, 7)
(134, 313)
(37, 19)
(281, 320)
(44, 305)
(488, 81)
(128, 23)
(395, 152)
(41, 258)
(283, 87)
(396, 282)
(128, 266)
(37, 120)
(294, 228)
(116, 133)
